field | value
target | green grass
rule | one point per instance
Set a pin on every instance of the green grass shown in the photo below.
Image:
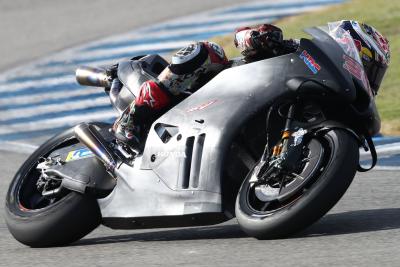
(384, 15)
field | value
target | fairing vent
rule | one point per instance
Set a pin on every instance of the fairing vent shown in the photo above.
(165, 131)
(191, 163)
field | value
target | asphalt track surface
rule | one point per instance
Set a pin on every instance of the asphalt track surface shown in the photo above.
(361, 230)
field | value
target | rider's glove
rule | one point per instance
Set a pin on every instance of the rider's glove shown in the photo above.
(264, 38)
(112, 70)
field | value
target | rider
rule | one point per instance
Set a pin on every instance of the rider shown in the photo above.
(194, 65)
(190, 68)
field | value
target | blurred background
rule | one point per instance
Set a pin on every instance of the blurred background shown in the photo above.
(30, 29)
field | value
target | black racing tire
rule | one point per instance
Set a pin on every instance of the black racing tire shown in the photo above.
(314, 201)
(60, 223)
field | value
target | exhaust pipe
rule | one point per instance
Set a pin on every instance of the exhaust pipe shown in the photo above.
(91, 138)
(92, 76)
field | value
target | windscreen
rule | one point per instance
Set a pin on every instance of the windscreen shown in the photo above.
(352, 60)
(344, 39)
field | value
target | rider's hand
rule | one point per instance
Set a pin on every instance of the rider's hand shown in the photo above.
(266, 40)
(112, 70)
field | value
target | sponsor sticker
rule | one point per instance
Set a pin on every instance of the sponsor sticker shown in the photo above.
(79, 154)
(298, 136)
(173, 154)
(310, 62)
(201, 106)
(355, 69)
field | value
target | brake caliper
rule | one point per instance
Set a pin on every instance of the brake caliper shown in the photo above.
(293, 151)
(47, 184)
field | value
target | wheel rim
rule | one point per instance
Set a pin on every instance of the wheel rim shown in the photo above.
(320, 154)
(28, 197)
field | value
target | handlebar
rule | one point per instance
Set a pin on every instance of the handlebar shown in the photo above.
(93, 76)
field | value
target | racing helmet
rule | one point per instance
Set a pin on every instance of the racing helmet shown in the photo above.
(191, 66)
(373, 48)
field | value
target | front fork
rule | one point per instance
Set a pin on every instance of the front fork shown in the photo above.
(282, 147)
(283, 156)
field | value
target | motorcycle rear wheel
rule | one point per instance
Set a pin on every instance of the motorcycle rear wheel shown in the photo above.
(41, 222)
(310, 202)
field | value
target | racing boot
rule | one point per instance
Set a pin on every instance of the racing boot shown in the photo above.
(149, 104)
(125, 131)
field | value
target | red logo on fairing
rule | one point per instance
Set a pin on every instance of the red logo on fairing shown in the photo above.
(355, 69)
(202, 106)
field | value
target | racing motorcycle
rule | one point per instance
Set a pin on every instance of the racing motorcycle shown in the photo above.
(274, 143)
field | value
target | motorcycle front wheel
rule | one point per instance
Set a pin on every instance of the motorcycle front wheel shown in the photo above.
(39, 221)
(304, 201)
